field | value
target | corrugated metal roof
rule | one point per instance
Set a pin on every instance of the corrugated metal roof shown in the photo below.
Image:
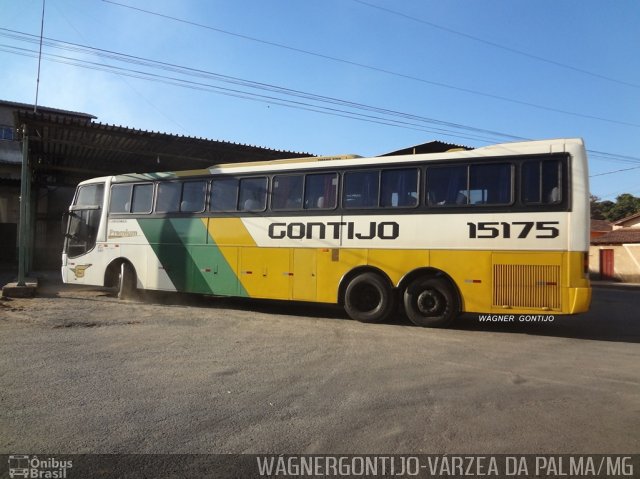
(88, 149)
(429, 147)
(46, 109)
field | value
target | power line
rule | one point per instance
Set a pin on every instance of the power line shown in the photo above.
(374, 68)
(238, 93)
(124, 80)
(498, 45)
(191, 72)
(614, 171)
(408, 121)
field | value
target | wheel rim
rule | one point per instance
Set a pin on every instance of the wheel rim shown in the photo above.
(430, 302)
(366, 298)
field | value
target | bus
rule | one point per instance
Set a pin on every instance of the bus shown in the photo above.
(501, 229)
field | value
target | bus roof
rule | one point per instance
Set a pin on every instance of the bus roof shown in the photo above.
(502, 149)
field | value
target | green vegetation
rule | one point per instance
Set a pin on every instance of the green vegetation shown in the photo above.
(625, 205)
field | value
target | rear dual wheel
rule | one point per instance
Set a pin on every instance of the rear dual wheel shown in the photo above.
(369, 298)
(431, 302)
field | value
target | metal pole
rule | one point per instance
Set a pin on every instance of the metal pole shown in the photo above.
(25, 179)
(35, 105)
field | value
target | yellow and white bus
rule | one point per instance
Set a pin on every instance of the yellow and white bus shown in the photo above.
(502, 229)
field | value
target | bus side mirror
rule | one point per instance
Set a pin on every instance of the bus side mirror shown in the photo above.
(63, 223)
(74, 225)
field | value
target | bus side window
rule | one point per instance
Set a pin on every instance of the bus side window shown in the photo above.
(540, 182)
(361, 189)
(399, 188)
(287, 192)
(142, 198)
(253, 194)
(168, 197)
(120, 201)
(321, 191)
(446, 185)
(224, 194)
(193, 196)
(490, 184)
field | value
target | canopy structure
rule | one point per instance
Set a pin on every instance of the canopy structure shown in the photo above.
(46, 153)
(77, 148)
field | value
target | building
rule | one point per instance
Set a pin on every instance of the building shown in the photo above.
(66, 147)
(599, 228)
(615, 255)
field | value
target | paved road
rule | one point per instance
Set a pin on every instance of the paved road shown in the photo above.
(84, 373)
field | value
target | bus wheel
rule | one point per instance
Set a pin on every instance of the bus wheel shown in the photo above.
(369, 298)
(126, 282)
(430, 302)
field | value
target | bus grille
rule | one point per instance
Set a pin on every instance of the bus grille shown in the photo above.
(526, 286)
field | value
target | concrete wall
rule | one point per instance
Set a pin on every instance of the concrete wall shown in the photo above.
(626, 262)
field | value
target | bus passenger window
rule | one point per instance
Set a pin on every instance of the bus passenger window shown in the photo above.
(253, 194)
(321, 191)
(541, 182)
(142, 198)
(120, 201)
(287, 192)
(224, 194)
(361, 189)
(193, 196)
(447, 185)
(168, 197)
(490, 184)
(399, 188)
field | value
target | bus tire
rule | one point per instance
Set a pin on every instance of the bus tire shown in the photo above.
(127, 282)
(430, 302)
(369, 298)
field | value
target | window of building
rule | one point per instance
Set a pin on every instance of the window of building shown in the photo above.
(7, 133)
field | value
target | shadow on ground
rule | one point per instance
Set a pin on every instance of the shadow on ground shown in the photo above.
(611, 317)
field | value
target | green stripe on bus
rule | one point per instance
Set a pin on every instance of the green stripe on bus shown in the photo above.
(190, 256)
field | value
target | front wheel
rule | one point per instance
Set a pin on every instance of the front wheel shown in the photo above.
(127, 282)
(431, 302)
(369, 298)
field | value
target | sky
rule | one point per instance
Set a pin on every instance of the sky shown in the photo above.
(332, 77)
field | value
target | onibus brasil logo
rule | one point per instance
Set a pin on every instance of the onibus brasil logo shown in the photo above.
(32, 467)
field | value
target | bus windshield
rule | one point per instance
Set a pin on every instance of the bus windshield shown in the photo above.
(81, 222)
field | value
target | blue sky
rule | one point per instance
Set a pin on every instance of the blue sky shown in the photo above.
(451, 61)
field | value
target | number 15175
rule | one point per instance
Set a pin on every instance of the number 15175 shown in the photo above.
(514, 229)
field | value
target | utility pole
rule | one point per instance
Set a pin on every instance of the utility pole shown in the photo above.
(25, 205)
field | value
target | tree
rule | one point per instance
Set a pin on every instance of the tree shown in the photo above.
(600, 209)
(626, 205)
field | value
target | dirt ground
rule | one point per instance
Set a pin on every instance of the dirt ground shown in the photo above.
(82, 372)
